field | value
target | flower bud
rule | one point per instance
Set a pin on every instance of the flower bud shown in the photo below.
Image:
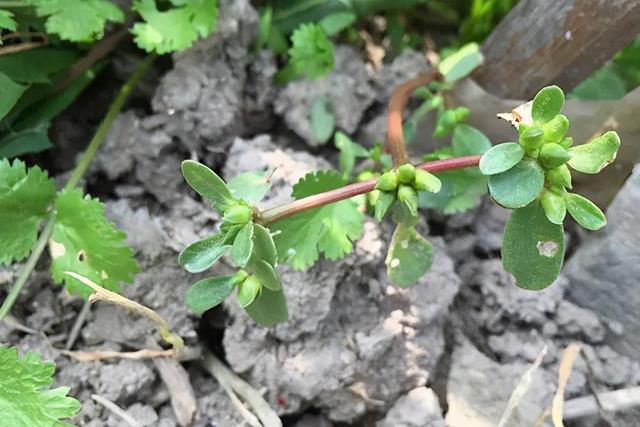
(559, 176)
(554, 206)
(531, 138)
(406, 173)
(461, 114)
(387, 182)
(553, 155)
(566, 142)
(426, 181)
(555, 129)
(238, 214)
(409, 196)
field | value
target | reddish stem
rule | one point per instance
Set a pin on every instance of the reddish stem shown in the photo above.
(351, 190)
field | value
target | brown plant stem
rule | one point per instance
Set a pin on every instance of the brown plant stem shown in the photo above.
(394, 144)
(351, 190)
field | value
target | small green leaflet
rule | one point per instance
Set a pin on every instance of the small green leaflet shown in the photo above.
(85, 242)
(461, 63)
(25, 397)
(501, 158)
(532, 248)
(330, 229)
(77, 20)
(249, 186)
(269, 308)
(201, 255)
(585, 212)
(409, 258)
(547, 104)
(25, 197)
(596, 155)
(349, 152)
(11, 93)
(208, 293)
(322, 120)
(311, 54)
(243, 245)
(336, 22)
(264, 247)
(7, 22)
(208, 184)
(175, 29)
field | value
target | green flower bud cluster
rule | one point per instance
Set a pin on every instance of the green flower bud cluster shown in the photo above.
(238, 214)
(403, 185)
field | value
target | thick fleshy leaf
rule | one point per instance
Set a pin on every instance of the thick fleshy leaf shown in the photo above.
(249, 186)
(585, 212)
(207, 184)
(264, 247)
(269, 308)
(248, 290)
(554, 206)
(409, 258)
(383, 204)
(202, 254)
(461, 63)
(243, 245)
(267, 275)
(594, 156)
(207, 293)
(532, 248)
(501, 158)
(518, 186)
(547, 104)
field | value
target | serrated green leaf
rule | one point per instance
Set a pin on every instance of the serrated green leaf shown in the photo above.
(469, 141)
(77, 20)
(7, 22)
(461, 63)
(269, 308)
(322, 120)
(409, 258)
(518, 186)
(596, 155)
(11, 93)
(201, 255)
(25, 196)
(267, 275)
(208, 293)
(501, 158)
(329, 229)
(263, 246)
(175, 29)
(547, 104)
(384, 202)
(85, 242)
(25, 397)
(249, 186)
(349, 151)
(243, 245)
(585, 212)
(208, 184)
(532, 248)
(311, 53)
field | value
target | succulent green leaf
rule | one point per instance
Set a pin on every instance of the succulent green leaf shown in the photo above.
(532, 248)
(409, 197)
(559, 176)
(237, 214)
(461, 63)
(585, 212)
(556, 129)
(323, 122)
(207, 184)
(263, 246)
(547, 104)
(330, 229)
(518, 186)
(25, 397)
(388, 181)
(269, 308)
(595, 155)
(552, 155)
(25, 196)
(267, 275)
(201, 255)
(384, 202)
(501, 158)
(531, 137)
(409, 258)
(349, 151)
(243, 245)
(85, 242)
(426, 181)
(248, 290)
(249, 186)
(406, 173)
(469, 141)
(208, 293)
(554, 206)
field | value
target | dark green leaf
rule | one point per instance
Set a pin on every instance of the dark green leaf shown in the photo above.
(532, 248)
(11, 92)
(202, 254)
(595, 155)
(207, 184)
(336, 22)
(263, 246)
(518, 186)
(322, 120)
(37, 65)
(25, 142)
(585, 212)
(269, 308)
(243, 245)
(207, 293)
(547, 104)
(604, 84)
(409, 258)
(501, 158)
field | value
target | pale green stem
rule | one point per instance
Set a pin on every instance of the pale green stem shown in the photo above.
(76, 175)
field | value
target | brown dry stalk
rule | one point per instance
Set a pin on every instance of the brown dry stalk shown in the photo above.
(92, 356)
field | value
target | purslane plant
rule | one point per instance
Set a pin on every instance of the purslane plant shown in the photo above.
(530, 176)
